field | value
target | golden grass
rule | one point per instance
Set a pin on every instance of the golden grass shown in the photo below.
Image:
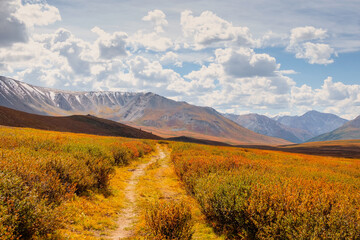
(95, 215)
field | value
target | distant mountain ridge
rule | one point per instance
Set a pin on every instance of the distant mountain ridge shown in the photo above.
(270, 127)
(149, 111)
(350, 130)
(296, 129)
(313, 121)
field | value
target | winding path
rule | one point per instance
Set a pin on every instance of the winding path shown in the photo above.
(128, 216)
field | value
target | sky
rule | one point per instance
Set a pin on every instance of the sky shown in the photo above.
(281, 57)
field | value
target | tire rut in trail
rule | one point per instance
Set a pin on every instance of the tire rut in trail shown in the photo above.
(128, 215)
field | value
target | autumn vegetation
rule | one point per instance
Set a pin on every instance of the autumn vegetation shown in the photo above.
(64, 186)
(41, 172)
(252, 194)
(169, 220)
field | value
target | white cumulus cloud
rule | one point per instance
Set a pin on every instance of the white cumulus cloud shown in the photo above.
(12, 29)
(244, 62)
(110, 45)
(241, 76)
(334, 97)
(304, 42)
(171, 58)
(207, 78)
(158, 18)
(150, 41)
(208, 29)
(302, 34)
(152, 76)
(40, 14)
(318, 53)
(16, 18)
(77, 52)
(235, 77)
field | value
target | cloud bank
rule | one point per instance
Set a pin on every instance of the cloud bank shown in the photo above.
(213, 63)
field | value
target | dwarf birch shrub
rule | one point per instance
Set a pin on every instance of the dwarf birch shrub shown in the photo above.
(253, 194)
(40, 171)
(24, 214)
(169, 220)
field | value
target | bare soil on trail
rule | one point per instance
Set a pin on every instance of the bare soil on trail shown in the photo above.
(128, 215)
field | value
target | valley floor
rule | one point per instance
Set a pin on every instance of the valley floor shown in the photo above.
(76, 186)
(340, 148)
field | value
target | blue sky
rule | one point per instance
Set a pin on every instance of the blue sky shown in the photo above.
(277, 57)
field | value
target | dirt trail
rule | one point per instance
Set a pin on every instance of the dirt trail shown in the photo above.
(128, 216)
(165, 184)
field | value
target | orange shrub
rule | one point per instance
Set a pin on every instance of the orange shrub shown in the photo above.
(169, 220)
(253, 194)
(41, 170)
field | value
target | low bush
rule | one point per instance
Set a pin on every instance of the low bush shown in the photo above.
(24, 214)
(169, 220)
(41, 170)
(163, 142)
(256, 194)
(224, 200)
(71, 172)
(122, 156)
(101, 171)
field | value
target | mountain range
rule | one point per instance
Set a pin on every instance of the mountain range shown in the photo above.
(270, 127)
(172, 119)
(296, 129)
(314, 122)
(350, 130)
(148, 111)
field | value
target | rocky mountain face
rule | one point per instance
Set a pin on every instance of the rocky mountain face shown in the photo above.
(314, 122)
(146, 110)
(267, 126)
(350, 130)
(25, 97)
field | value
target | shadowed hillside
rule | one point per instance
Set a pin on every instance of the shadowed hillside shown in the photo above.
(77, 124)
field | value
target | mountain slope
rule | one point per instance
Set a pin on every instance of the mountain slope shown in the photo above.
(25, 97)
(267, 126)
(180, 117)
(350, 130)
(313, 122)
(76, 124)
(146, 110)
